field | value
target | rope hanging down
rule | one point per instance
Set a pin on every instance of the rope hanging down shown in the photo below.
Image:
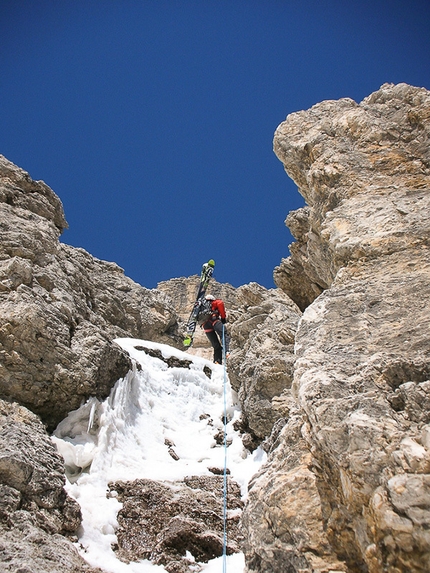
(224, 552)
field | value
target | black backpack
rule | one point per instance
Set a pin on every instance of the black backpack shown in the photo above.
(205, 311)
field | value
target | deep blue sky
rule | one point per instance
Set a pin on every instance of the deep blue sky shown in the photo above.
(153, 120)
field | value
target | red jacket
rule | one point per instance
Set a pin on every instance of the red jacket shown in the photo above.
(218, 308)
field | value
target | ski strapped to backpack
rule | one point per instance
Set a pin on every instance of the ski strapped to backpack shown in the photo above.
(205, 277)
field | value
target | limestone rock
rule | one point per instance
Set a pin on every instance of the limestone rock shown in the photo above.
(60, 308)
(262, 326)
(283, 521)
(363, 171)
(20, 191)
(35, 511)
(261, 363)
(360, 436)
(165, 522)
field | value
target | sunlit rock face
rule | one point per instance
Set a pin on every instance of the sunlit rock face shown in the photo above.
(60, 308)
(347, 484)
(363, 171)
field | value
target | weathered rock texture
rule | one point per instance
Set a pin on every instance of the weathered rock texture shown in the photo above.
(363, 171)
(168, 522)
(347, 485)
(60, 308)
(261, 364)
(35, 512)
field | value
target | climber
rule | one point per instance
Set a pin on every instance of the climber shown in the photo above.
(213, 323)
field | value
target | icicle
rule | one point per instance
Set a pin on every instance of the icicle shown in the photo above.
(91, 418)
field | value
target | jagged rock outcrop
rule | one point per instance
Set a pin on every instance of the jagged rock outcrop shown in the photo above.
(170, 522)
(60, 308)
(283, 521)
(261, 363)
(363, 171)
(355, 452)
(35, 512)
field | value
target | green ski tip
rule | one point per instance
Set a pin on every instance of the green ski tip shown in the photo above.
(187, 341)
(211, 263)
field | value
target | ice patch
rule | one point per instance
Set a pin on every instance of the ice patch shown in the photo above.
(128, 436)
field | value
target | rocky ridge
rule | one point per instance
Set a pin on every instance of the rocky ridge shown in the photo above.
(346, 487)
(363, 171)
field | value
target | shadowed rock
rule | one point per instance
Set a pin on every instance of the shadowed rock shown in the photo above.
(168, 522)
(35, 511)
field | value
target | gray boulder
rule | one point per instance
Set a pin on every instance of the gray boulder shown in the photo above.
(38, 520)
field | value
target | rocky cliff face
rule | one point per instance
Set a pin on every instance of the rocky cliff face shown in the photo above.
(363, 171)
(60, 308)
(36, 515)
(262, 324)
(347, 485)
(339, 395)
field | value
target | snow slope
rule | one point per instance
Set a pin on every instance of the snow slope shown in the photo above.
(124, 438)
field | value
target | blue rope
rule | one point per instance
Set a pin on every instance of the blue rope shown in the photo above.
(224, 553)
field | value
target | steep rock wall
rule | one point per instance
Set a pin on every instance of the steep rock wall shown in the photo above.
(347, 484)
(363, 171)
(60, 308)
(261, 363)
(262, 324)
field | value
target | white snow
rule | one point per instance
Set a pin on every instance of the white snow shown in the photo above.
(124, 438)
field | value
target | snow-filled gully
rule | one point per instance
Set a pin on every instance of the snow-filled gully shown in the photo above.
(125, 437)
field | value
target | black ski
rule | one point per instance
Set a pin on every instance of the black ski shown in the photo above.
(205, 277)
